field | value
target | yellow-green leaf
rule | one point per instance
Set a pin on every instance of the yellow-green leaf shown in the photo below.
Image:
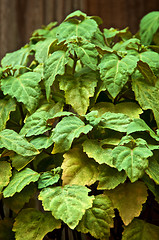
(67, 203)
(5, 174)
(128, 199)
(78, 168)
(6, 107)
(34, 225)
(98, 219)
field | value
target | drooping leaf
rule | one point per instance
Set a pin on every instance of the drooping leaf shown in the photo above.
(140, 230)
(86, 52)
(5, 174)
(6, 229)
(6, 107)
(49, 178)
(19, 57)
(36, 123)
(67, 203)
(115, 71)
(42, 49)
(19, 161)
(13, 141)
(128, 199)
(112, 32)
(146, 71)
(19, 180)
(66, 130)
(148, 27)
(35, 225)
(131, 155)
(16, 202)
(98, 219)
(78, 168)
(151, 58)
(139, 125)
(153, 168)
(24, 88)
(147, 96)
(109, 177)
(75, 28)
(53, 66)
(130, 109)
(151, 186)
(80, 88)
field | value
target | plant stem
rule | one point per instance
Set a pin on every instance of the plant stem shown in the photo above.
(75, 62)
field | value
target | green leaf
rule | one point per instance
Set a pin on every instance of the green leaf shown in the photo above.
(49, 178)
(75, 28)
(42, 49)
(36, 123)
(147, 96)
(66, 130)
(153, 168)
(53, 66)
(148, 27)
(86, 52)
(5, 174)
(151, 58)
(35, 225)
(19, 180)
(19, 161)
(94, 149)
(128, 199)
(80, 88)
(115, 121)
(131, 109)
(67, 203)
(6, 229)
(24, 88)
(115, 71)
(146, 71)
(139, 125)
(75, 14)
(131, 155)
(112, 32)
(140, 230)
(16, 202)
(13, 141)
(109, 177)
(78, 168)
(6, 107)
(42, 142)
(98, 219)
(19, 57)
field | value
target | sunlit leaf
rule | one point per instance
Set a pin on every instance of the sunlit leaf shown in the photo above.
(66, 130)
(19, 180)
(131, 155)
(24, 88)
(67, 203)
(6, 107)
(79, 87)
(15, 142)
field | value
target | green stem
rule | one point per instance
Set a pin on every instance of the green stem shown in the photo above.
(75, 63)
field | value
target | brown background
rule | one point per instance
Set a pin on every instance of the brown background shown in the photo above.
(19, 18)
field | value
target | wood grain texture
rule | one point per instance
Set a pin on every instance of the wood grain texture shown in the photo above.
(19, 18)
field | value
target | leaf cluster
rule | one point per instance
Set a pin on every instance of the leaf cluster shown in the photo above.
(79, 138)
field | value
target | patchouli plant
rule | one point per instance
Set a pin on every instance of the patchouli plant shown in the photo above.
(79, 138)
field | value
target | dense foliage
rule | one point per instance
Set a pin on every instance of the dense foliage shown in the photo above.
(79, 138)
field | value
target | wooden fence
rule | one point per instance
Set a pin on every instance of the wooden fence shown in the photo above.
(19, 18)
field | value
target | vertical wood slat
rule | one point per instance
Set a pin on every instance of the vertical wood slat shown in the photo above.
(19, 18)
